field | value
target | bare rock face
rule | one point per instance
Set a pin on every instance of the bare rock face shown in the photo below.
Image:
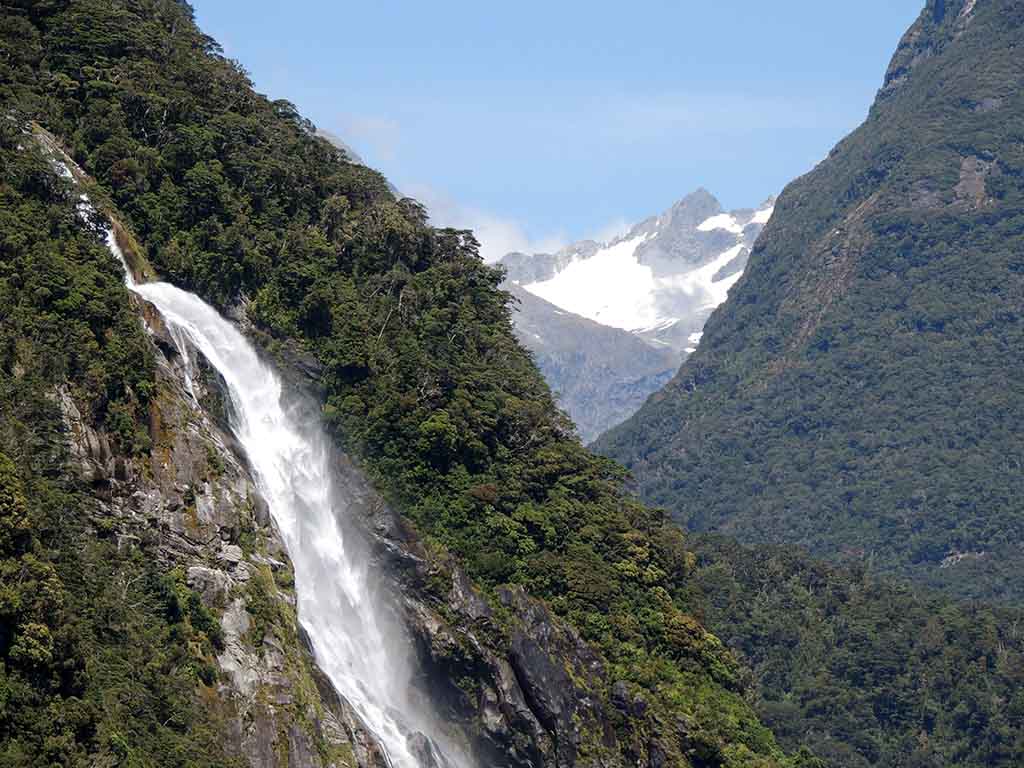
(530, 690)
(91, 456)
(971, 190)
(525, 688)
(469, 674)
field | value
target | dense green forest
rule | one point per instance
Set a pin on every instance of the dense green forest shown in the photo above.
(864, 671)
(101, 651)
(860, 393)
(109, 660)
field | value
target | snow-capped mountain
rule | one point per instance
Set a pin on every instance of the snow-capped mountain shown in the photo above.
(660, 281)
(608, 323)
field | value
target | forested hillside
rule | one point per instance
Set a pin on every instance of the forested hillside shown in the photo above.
(101, 650)
(234, 196)
(107, 657)
(860, 393)
(865, 671)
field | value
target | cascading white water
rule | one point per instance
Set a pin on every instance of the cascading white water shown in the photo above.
(359, 648)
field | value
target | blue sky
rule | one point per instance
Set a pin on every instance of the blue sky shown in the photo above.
(539, 123)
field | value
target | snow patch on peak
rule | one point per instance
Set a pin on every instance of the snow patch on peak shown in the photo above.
(661, 280)
(762, 216)
(611, 287)
(701, 281)
(661, 325)
(724, 221)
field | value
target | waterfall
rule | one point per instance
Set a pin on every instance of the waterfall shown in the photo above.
(363, 651)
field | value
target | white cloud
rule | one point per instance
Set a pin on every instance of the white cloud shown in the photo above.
(497, 234)
(379, 137)
(379, 140)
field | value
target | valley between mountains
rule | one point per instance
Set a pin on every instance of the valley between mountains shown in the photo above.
(291, 478)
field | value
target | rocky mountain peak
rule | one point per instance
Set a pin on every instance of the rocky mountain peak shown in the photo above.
(688, 213)
(663, 277)
(696, 206)
(607, 321)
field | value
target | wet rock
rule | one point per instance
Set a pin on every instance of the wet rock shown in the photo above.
(273, 563)
(548, 688)
(303, 361)
(260, 510)
(466, 600)
(518, 733)
(342, 722)
(158, 330)
(424, 752)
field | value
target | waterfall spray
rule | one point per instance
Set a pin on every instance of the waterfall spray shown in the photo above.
(361, 648)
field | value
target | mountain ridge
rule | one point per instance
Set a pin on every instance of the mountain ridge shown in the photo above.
(646, 281)
(651, 288)
(854, 393)
(599, 375)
